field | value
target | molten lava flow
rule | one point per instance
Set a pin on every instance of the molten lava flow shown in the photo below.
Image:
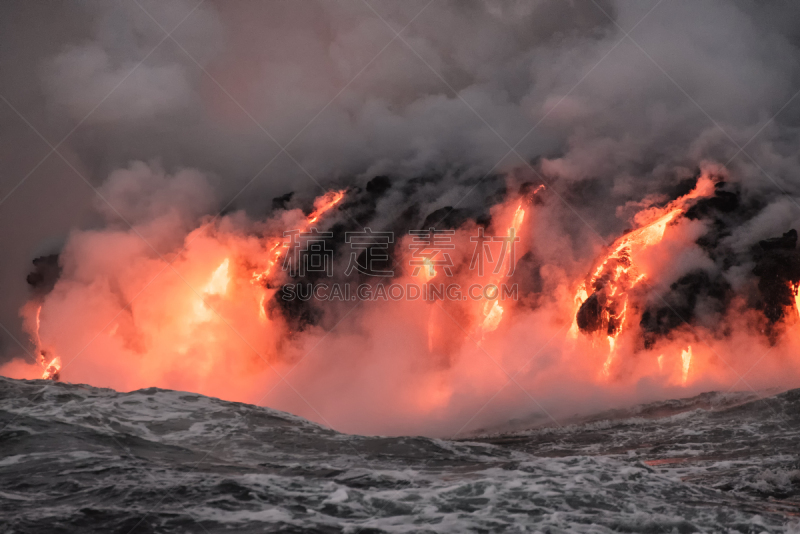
(482, 280)
(322, 205)
(686, 361)
(606, 308)
(428, 272)
(261, 278)
(38, 324)
(198, 324)
(51, 364)
(601, 301)
(214, 323)
(52, 369)
(274, 255)
(493, 316)
(492, 309)
(217, 285)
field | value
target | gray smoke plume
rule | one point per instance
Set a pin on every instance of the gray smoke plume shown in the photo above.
(174, 109)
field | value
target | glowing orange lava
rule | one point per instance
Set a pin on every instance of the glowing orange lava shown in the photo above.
(796, 292)
(618, 272)
(211, 322)
(686, 362)
(492, 309)
(50, 364)
(322, 205)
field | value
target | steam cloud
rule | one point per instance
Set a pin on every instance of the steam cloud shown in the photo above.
(171, 130)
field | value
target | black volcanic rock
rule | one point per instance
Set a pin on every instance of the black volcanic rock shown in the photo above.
(445, 218)
(679, 304)
(722, 202)
(787, 241)
(589, 317)
(777, 269)
(45, 274)
(297, 310)
(279, 203)
(379, 185)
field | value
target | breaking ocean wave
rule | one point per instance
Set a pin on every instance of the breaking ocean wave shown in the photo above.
(76, 458)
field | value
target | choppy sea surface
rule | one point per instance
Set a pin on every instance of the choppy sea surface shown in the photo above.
(81, 459)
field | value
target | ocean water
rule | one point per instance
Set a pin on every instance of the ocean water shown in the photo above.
(81, 459)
